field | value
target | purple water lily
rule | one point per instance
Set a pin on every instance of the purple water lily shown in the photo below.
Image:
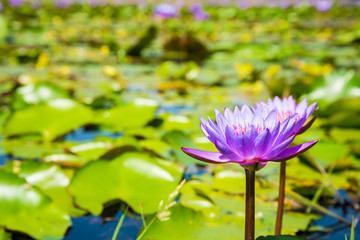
(251, 138)
(198, 12)
(287, 108)
(166, 10)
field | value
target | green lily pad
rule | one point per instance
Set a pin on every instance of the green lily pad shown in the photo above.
(30, 149)
(33, 94)
(4, 235)
(196, 195)
(131, 115)
(141, 181)
(44, 119)
(280, 237)
(91, 150)
(65, 159)
(335, 86)
(177, 140)
(184, 223)
(50, 179)
(230, 181)
(25, 208)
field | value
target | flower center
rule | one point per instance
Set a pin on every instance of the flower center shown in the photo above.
(282, 116)
(240, 130)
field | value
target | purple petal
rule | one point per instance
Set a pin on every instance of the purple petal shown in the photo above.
(209, 157)
(229, 116)
(271, 119)
(235, 142)
(292, 152)
(308, 125)
(301, 107)
(247, 113)
(249, 146)
(310, 110)
(224, 148)
(279, 148)
(261, 142)
(253, 165)
(221, 121)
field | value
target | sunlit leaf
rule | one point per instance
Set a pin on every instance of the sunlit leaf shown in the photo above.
(33, 94)
(135, 178)
(44, 119)
(25, 208)
(131, 115)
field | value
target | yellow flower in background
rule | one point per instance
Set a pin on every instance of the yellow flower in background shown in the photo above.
(246, 37)
(110, 71)
(43, 61)
(105, 50)
(121, 33)
(314, 69)
(244, 70)
(272, 70)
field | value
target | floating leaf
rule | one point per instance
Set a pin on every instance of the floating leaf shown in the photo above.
(50, 120)
(336, 86)
(33, 94)
(281, 237)
(50, 179)
(184, 223)
(130, 115)
(135, 178)
(27, 209)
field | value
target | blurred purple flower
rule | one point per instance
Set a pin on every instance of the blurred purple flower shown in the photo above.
(63, 3)
(244, 4)
(198, 12)
(201, 15)
(1, 7)
(323, 5)
(284, 3)
(165, 10)
(35, 4)
(251, 138)
(16, 3)
(195, 7)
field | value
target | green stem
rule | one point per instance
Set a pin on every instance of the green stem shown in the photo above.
(280, 210)
(250, 205)
(120, 223)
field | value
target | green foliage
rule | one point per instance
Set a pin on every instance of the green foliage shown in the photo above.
(20, 202)
(43, 119)
(139, 180)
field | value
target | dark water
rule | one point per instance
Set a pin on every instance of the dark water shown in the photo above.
(334, 229)
(95, 228)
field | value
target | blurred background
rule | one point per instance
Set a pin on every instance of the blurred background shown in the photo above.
(97, 97)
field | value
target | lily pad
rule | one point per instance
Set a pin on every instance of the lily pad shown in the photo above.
(282, 237)
(50, 179)
(131, 115)
(33, 94)
(25, 208)
(44, 119)
(141, 181)
(184, 223)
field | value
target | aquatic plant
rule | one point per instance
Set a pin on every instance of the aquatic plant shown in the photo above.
(254, 137)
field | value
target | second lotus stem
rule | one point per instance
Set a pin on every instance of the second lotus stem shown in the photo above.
(280, 210)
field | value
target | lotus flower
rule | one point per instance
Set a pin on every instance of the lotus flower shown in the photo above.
(251, 138)
(166, 10)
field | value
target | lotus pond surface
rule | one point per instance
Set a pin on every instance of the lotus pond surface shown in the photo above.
(97, 101)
